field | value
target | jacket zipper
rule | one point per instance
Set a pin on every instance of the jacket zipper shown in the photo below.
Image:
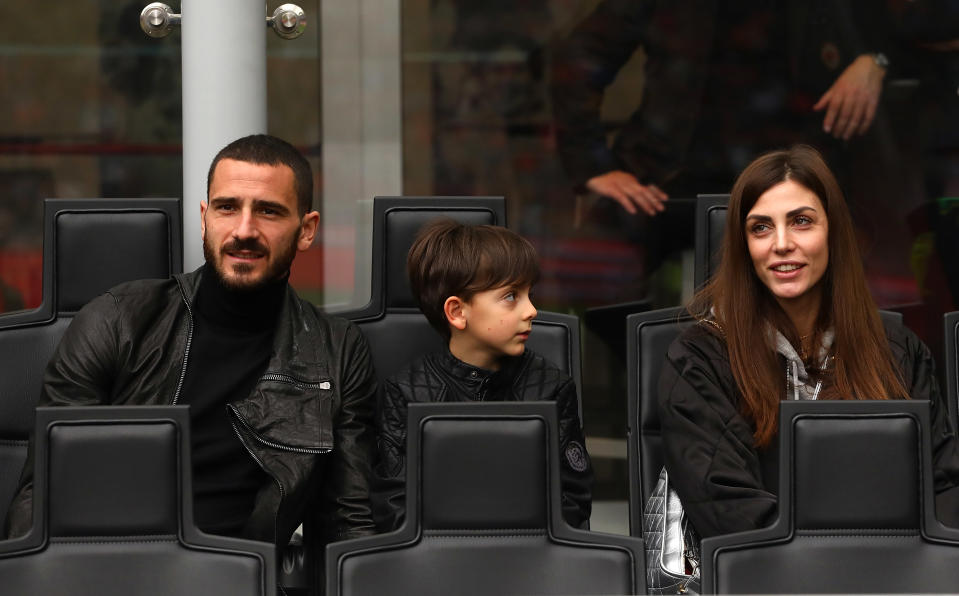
(279, 485)
(268, 443)
(189, 340)
(259, 462)
(281, 378)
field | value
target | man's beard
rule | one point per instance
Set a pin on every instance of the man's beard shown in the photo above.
(276, 269)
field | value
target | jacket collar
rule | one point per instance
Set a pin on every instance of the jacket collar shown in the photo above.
(473, 375)
(294, 352)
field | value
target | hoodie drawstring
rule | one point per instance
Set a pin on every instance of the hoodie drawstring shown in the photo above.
(795, 382)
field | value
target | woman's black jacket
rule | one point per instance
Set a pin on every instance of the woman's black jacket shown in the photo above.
(724, 483)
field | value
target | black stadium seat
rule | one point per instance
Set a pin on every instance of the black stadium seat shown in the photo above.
(710, 225)
(484, 516)
(113, 513)
(856, 509)
(950, 392)
(648, 337)
(396, 330)
(89, 245)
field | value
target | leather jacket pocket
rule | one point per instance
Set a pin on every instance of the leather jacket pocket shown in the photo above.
(289, 414)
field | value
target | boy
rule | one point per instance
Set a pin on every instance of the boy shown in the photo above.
(472, 284)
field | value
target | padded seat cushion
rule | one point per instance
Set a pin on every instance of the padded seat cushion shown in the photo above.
(159, 567)
(397, 339)
(97, 490)
(88, 237)
(26, 350)
(463, 488)
(871, 480)
(401, 229)
(841, 565)
(485, 565)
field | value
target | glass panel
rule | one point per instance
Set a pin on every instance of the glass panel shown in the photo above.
(91, 108)
(294, 104)
(532, 100)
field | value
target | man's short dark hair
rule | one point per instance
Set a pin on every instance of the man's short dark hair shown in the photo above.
(272, 151)
(448, 258)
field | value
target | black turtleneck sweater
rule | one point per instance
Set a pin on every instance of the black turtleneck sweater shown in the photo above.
(231, 348)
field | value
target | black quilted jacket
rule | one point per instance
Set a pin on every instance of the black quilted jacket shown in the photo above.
(441, 377)
(725, 484)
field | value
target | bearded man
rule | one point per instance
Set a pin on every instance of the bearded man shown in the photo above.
(280, 394)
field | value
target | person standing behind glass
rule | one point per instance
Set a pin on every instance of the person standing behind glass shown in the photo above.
(714, 87)
(839, 54)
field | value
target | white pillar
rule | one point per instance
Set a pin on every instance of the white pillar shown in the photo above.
(224, 94)
(362, 117)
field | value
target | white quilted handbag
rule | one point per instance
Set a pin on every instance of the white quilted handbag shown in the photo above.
(672, 544)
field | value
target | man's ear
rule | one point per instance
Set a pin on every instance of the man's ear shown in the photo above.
(203, 207)
(308, 226)
(456, 311)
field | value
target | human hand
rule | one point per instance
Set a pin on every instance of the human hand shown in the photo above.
(626, 190)
(851, 101)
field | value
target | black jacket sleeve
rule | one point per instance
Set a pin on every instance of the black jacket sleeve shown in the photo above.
(389, 471)
(919, 375)
(347, 489)
(707, 444)
(576, 469)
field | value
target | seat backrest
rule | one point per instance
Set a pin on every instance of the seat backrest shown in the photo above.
(113, 512)
(710, 227)
(855, 505)
(484, 515)
(464, 482)
(649, 335)
(396, 221)
(392, 323)
(89, 245)
(99, 243)
(24, 352)
(950, 358)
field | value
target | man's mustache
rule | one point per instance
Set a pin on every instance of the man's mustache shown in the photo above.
(251, 245)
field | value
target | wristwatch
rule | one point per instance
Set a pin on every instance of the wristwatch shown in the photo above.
(881, 61)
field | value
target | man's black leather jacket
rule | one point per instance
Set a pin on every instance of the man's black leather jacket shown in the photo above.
(307, 423)
(441, 377)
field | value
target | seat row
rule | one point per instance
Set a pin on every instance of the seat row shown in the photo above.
(91, 245)
(520, 523)
(484, 512)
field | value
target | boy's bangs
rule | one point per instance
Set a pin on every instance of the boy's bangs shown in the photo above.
(505, 263)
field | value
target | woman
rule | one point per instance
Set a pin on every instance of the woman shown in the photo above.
(788, 315)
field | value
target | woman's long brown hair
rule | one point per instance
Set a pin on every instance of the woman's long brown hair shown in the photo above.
(742, 305)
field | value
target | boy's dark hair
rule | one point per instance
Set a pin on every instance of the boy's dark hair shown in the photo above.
(271, 151)
(448, 258)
